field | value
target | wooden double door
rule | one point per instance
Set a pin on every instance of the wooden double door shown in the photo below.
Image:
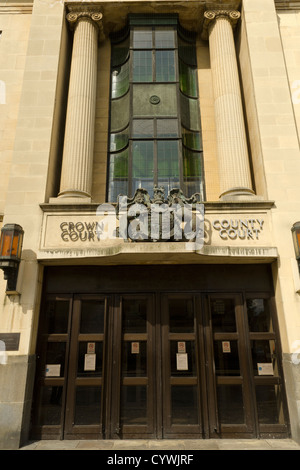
(163, 365)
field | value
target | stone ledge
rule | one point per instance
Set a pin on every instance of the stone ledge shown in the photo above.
(209, 205)
(161, 253)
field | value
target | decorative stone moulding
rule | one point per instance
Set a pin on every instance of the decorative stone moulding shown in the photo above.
(211, 16)
(95, 17)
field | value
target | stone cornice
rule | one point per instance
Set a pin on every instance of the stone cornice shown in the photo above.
(211, 16)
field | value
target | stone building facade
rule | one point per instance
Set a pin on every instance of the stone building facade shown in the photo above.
(125, 322)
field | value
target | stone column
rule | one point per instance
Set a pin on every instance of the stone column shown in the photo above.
(235, 175)
(77, 165)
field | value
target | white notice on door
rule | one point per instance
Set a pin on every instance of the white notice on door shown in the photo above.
(90, 362)
(182, 361)
(52, 370)
(265, 368)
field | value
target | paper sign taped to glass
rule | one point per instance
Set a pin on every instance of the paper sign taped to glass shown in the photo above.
(182, 361)
(265, 368)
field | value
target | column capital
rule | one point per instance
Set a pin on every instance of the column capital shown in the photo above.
(95, 17)
(211, 16)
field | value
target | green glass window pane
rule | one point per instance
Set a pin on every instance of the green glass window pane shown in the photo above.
(120, 52)
(168, 164)
(165, 66)
(192, 172)
(142, 66)
(119, 113)
(188, 79)
(118, 175)
(142, 165)
(142, 128)
(164, 39)
(142, 38)
(119, 141)
(189, 113)
(190, 139)
(142, 159)
(187, 52)
(192, 163)
(167, 105)
(120, 80)
(167, 128)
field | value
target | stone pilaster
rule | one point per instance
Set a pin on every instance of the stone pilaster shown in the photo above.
(76, 174)
(235, 175)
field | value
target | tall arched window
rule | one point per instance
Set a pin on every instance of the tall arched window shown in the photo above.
(155, 128)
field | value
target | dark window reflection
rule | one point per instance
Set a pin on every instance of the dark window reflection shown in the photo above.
(230, 404)
(269, 404)
(226, 358)
(181, 314)
(134, 316)
(134, 359)
(56, 355)
(92, 316)
(88, 405)
(134, 405)
(57, 315)
(50, 410)
(259, 315)
(263, 352)
(184, 403)
(223, 315)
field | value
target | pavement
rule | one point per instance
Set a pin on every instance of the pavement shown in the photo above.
(178, 445)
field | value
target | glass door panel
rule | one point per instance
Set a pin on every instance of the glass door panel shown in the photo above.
(266, 366)
(52, 365)
(180, 367)
(84, 413)
(229, 385)
(135, 417)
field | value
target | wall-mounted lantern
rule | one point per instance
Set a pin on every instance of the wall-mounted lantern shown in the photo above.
(296, 240)
(10, 254)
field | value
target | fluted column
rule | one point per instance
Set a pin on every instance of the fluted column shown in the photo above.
(77, 164)
(235, 176)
